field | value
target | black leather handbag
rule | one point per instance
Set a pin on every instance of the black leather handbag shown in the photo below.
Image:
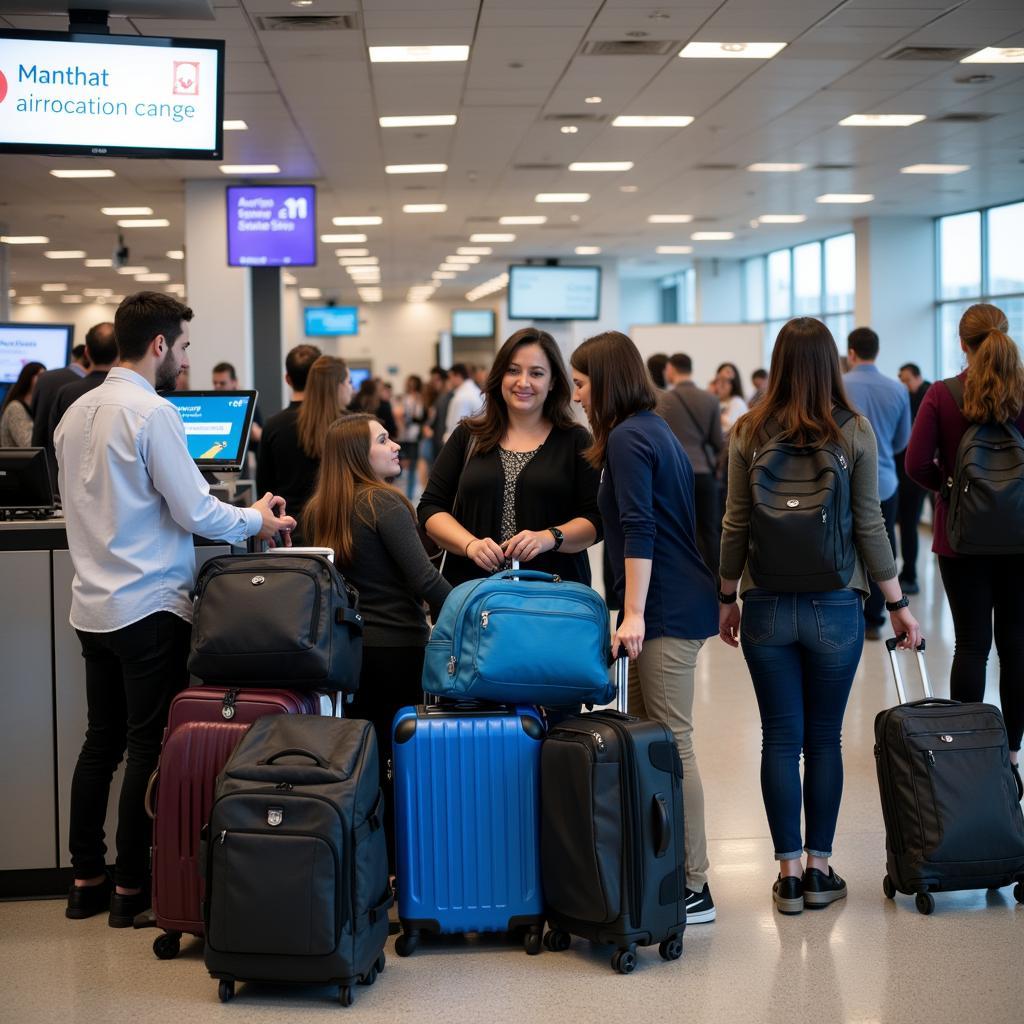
(276, 620)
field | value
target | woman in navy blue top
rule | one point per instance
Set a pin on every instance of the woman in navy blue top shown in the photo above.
(666, 592)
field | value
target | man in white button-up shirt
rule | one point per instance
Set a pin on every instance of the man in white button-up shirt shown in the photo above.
(133, 498)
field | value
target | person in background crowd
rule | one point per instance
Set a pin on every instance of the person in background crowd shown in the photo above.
(412, 413)
(80, 356)
(979, 588)
(372, 528)
(282, 467)
(16, 411)
(369, 400)
(666, 590)
(479, 375)
(911, 497)
(225, 379)
(512, 483)
(656, 368)
(385, 391)
(439, 395)
(102, 349)
(759, 380)
(728, 386)
(886, 406)
(133, 498)
(693, 416)
(803, 648)
(466, 398)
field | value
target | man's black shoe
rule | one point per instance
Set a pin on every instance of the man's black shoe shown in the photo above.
(88, 900)
(124, 909)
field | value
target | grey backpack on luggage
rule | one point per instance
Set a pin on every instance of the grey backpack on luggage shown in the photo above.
(296, 864)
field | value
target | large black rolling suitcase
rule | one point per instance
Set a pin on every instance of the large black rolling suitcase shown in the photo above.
(949, 799)
(297, 871)
(612, 842)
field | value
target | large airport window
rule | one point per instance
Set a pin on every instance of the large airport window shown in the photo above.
(840, 274)
(1005, 232)
(679, 297)
(960, 255)
(780, 284)
(807, 279)
(753, 290)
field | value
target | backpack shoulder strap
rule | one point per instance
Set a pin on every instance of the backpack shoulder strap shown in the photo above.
(956, 388)
(843, 416)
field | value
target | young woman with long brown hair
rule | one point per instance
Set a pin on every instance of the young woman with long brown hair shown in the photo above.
(16, 410)
(512, 482)
(372, 528)
(978, 587)
(665, 591)
(803, 645)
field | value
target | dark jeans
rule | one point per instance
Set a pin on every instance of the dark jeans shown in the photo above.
(802, 651)
(911, 505)
(131, 675)
(980, 588)
(391, 678)
(874, 606)
(707, 514)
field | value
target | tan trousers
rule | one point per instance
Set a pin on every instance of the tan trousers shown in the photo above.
(661, 689)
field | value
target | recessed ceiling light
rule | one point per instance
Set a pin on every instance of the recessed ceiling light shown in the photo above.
(674, 250)
(712, 236)
(152, 278)
(670, 218)
(309, 293)
(935, 169)
(443, 275)
(25, 240)
(99, 263)
(371, 295)
(845, 197)
(487, 237)
(454, 267)
(592, 99)
(126, 211)
(249, 169)
(175, 254)
(343, 222)
(562, 197)
(568, 129)
(351, 252)
(607, 165)
(30, 300)
(996, 55)
(303, 3)
(782, 218)
(97, 292)
(652, 121)
(132, 271)
(340, 239)
(419, 121)
(881, 120)
(474, 250)
(372, 278)
(629, 188)
(417, 54)
(72, 300)
(415, 168)
(466, 260)
(65, 254)
(145, 222)
(55, 287)
(425, 208)
(726, 51)
(84, 173)
(777, 168)
(371, 274)
(587, 250)
(358, 261)
(235, 126)
(523, 220)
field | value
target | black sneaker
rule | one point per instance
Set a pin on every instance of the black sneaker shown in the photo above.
(1015, 768)
(88, 900)
(700, 907)
(820, 889)
(788, 894)
(124, 909)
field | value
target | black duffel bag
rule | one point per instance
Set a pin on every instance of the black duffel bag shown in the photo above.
(276, 620)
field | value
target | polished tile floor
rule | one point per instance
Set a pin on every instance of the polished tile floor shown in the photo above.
(862, 961)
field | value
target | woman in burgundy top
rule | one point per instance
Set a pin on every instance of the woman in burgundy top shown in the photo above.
(977, 585)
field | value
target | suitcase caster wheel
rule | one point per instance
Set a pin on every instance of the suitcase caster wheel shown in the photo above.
(370, 977)
(671, 949)
(533, 941)
(1018, 892)
(345, 995)
(167, 946)
(406, 943)
(925, 902)
(557, 941)
(624, 961)
(226, 991)
(889, 888)
(381, 961)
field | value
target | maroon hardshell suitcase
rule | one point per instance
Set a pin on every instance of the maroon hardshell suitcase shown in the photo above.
(204, 725)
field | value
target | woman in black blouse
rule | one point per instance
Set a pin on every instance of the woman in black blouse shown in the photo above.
(512, 482)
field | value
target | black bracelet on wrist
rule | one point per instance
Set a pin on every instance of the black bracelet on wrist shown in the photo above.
(895, 606)
(727, 598)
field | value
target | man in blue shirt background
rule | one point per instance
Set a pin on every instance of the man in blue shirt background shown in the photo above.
(886, 406)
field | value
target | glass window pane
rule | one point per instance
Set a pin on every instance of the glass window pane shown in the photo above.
(960, 255)
(840, 324)
(779, 282)
(1014, 310)
(1005, 266)
(807, 280)
(840, 273)
(753, 289)
(689, 293)
(950, 354)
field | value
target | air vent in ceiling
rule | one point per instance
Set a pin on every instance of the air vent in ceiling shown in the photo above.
(964, 118)
(538, 167)
(949, 54)
(832, 167)
(631, 47)
(588, 118)
(309, 23)
(715, 167)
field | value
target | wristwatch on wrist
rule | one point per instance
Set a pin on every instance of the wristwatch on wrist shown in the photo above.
(558, 535)
(727, 598)
(895, 606)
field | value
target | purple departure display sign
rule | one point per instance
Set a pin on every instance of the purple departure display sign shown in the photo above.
(271, 225)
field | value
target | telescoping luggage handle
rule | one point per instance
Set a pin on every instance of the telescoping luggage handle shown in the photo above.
(622, 684)
(890, 645)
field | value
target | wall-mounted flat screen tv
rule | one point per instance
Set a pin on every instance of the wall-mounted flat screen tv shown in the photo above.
(331, 321)
(473, 323)
(271, 225)
(49, 344)
(554, 293)
(79, 94)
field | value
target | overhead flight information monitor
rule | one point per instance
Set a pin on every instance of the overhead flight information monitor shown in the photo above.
(217, 425)
(271, 225)
(49, 344)
(331, 321)
(554, 293)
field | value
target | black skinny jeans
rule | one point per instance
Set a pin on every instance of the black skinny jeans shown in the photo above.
(131, 675)
(980, 589)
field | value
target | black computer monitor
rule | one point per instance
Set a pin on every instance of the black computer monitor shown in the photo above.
(217, 425)
(25, 482)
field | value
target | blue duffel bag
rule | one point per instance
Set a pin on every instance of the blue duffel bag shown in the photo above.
(521, 637)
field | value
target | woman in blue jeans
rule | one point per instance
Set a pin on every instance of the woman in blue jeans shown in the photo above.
(802, 643)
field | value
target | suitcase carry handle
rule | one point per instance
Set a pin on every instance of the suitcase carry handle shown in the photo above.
(662, 826)
(890, 645)
(148, 803)
(622, 684)
(516, 573)
(297, 752)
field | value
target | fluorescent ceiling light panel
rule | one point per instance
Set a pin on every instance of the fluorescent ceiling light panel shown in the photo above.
(415, 168)
(341, 239)
(712, 236)
(652, 121)
(474, 250)
(587, 250)
(72, 300)
(845, 197)
(235, 126)
(443, 275)
(132, 271)
(996, 55)
(371, 295)
(568, 129)
(670, 218)
(289, 278)
(732, 51)
(782, 218)
(175, 254)
(359, 261)
(417, 54)
(84, 173)
(486, 237)
(562, 197)
(425, 208)
(777, 168)
(353, 222)
(145, 222)
(99, 263)
(153, 278)
(422, 121)
(97, 292)
(674, 250)
(598, 165)
(466, 260)
(249, 169)
(935, 169)
(457, 268)
(126, 211)
(351, 252)
(539, 219)
(592, 99)
(65, 254)
(309, 293)
(55, 287)
(25, 240)
(881, 120)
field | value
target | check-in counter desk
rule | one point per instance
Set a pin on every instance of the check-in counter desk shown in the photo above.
(42, 705)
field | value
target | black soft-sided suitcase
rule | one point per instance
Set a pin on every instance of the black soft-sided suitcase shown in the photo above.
(612, 842)
(297, 869)
(949, 799)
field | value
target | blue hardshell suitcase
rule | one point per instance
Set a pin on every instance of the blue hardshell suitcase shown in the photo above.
(467, 808)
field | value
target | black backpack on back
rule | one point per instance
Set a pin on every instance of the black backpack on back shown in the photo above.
(801, 517)
(986, 489)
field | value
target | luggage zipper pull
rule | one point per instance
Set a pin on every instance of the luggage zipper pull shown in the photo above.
(451, 665)
(484, 618)
(842, 460)
(931, 758)
(223, 835)
(824, 516)
(598, 739)
(283, 785)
